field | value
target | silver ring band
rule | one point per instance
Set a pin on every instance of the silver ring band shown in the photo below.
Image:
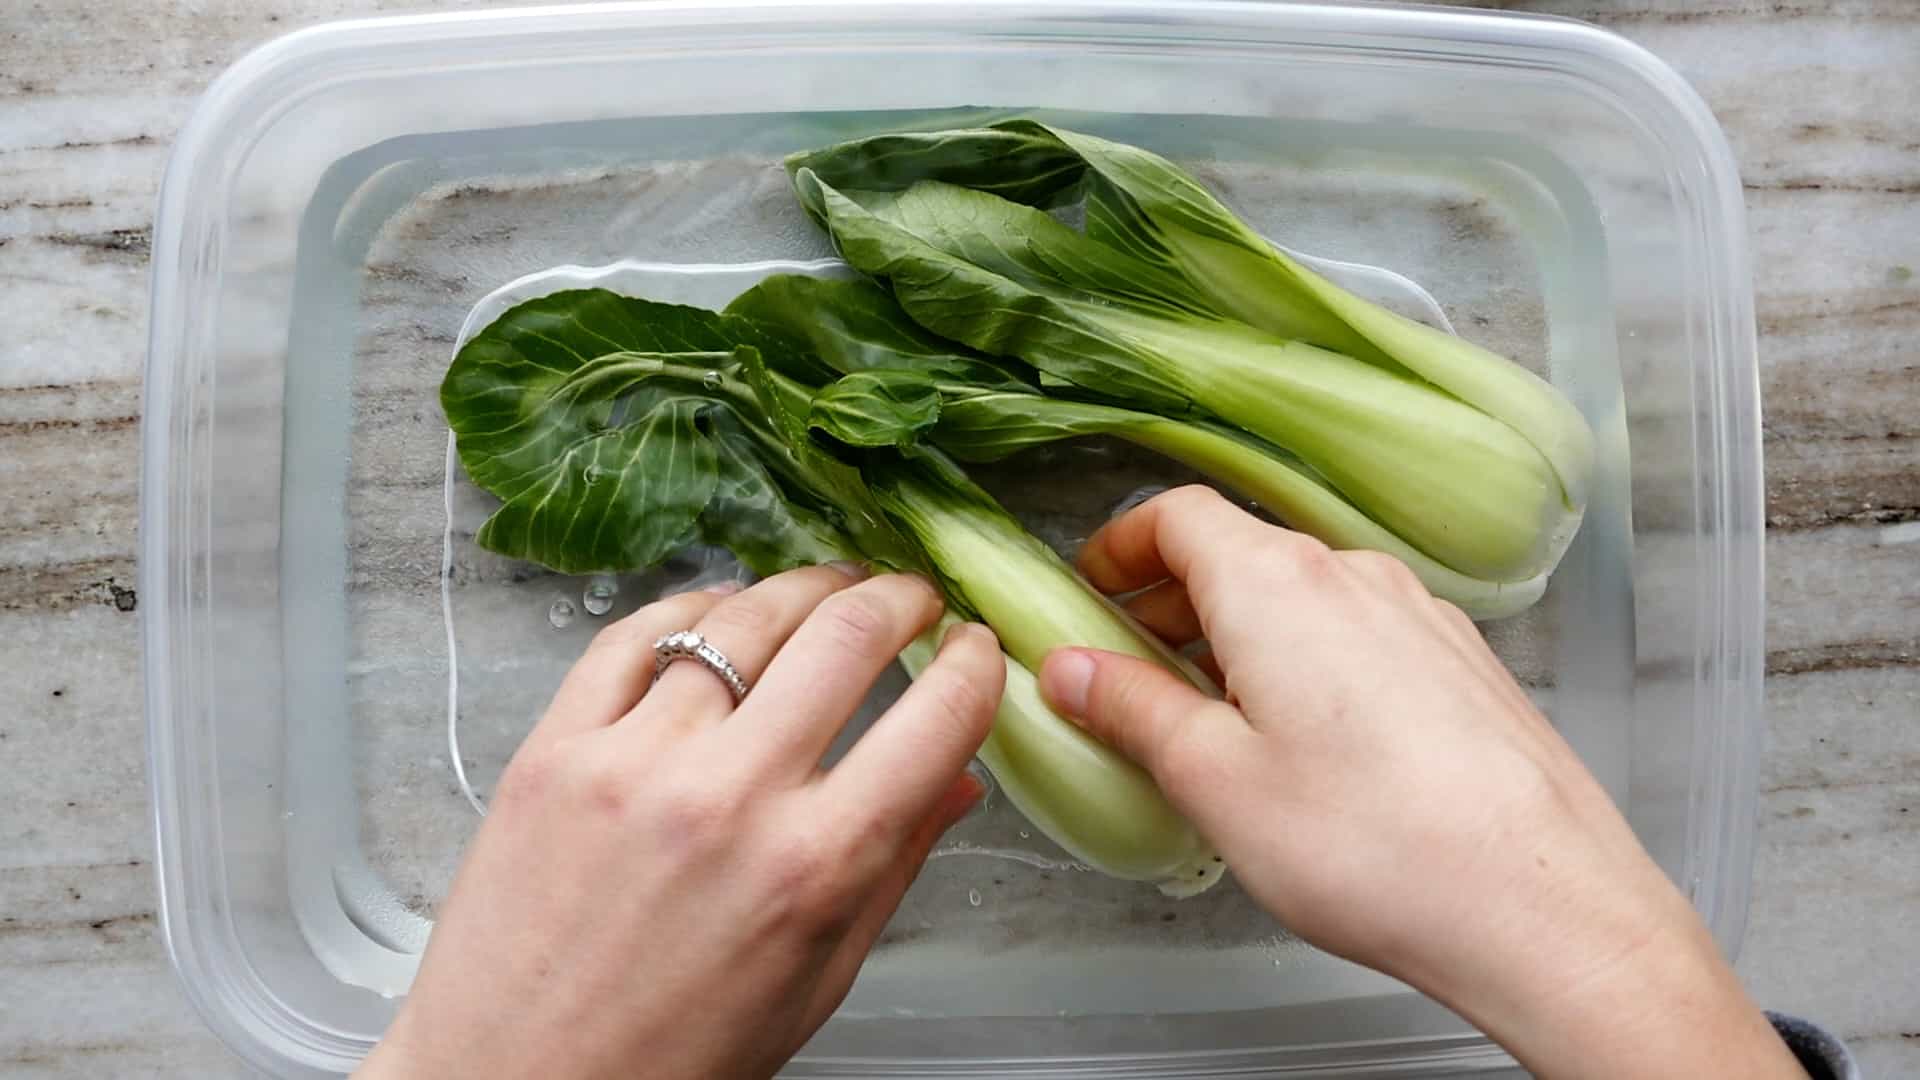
(687, 645)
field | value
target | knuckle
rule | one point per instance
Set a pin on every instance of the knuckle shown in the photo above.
(1386, 570)
(1456, 618)
(1126, 696)
(699, 816)
(1185, 760)
(1192, 498)
(740, 618)
(959, 706)
(606, 789)
(856, 620)
(1128, 690)
(802, 882)
(1309, 557)
(528, 778)
(925, 598)
(863, 832)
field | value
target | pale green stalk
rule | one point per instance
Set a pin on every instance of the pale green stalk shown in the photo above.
(1099, 807)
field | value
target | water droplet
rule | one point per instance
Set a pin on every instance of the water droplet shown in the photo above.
(711, 380)
(594, 474)
(1025, 835)
(598, 599)
(560, 614)
(973, 897)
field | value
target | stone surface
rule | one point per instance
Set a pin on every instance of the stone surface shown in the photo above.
(1818, 99)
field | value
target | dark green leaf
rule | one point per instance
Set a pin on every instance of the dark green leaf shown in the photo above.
(750, 515)
(1140, 203)
(502, 385)
(614, 499)
(852, 325)
(876, 408)
(828, 482)
(609, 426)
(1048, 325)
(1030, 167)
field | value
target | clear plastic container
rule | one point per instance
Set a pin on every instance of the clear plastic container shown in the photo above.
(345, 196)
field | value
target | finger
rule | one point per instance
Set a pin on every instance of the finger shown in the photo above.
(1139, 708)
(1161, 538)
(614, 671)
(837, 974)
(830, 664)
(1467, 641)
(897, 771)
(747, 628)
(1210, 666)
(1166, 610)
(1459, 627)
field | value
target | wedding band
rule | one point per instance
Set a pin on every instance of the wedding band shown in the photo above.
(687, 645)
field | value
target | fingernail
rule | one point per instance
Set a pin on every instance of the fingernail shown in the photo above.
(724, 588)
(973, 786)
(955, 631)
(964, 795)
(1069, 677)
(854, 570)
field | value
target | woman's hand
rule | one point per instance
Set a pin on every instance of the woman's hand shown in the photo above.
(669, 885)
(1382, 785)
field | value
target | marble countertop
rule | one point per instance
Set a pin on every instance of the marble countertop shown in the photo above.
(1818, 98)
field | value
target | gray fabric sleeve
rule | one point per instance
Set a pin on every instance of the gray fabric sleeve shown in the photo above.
(1823, 1056)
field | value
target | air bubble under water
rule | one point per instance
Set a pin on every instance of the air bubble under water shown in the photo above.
(711, 380)
(560, 615)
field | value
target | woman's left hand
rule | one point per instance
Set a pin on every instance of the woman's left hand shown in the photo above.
(670, 885)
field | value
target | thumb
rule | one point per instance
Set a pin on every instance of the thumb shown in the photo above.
(1139, 708)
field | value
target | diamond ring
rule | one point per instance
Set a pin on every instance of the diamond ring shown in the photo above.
(687, 645)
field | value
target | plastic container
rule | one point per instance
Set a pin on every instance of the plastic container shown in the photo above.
(343, 197)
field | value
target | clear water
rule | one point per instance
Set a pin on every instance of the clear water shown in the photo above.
(457, 216)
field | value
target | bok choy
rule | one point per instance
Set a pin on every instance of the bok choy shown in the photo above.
(616, 430)
(819, 419)
(982, 409)
(1167, 303)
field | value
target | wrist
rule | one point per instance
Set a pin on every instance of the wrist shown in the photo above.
(1645, 995)
(397, 1056)
(383, 1064)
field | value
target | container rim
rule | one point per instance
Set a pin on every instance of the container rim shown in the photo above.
(238, 106)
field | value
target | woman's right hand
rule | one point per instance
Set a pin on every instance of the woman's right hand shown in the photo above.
(1381, 784)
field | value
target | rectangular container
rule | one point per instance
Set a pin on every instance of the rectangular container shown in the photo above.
(344, 196)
